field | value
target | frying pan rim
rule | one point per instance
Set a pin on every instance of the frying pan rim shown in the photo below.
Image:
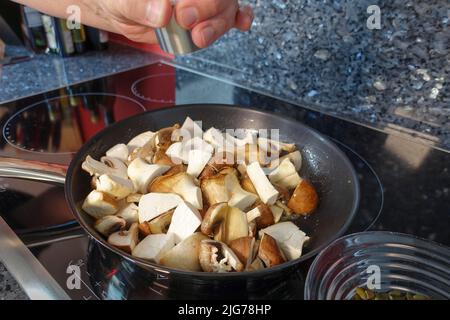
(82, 152)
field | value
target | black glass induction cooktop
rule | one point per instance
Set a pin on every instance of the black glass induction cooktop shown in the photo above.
(405, 184)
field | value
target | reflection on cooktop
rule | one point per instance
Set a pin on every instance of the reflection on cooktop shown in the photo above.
(154, 88)
(62, 124)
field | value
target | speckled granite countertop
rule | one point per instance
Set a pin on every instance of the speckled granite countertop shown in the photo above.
(9, 288)
(46, 72)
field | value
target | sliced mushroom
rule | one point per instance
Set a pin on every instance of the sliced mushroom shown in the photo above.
(185, 221)
(152, 205)
(98, 204)
(214, 190)
(214, 137)
(119, 151)
(277, 145)
(252, 153)
(277, 213)
(140, 140)
(175, 153)
(97, 168)
(252, 231)
(188, 130)
(304, 200)
(182, 184)
(163, 138)
(243, 248)
(289, 237)
(257, 264)
(295, 157)
(214, 216)
(109, 224)
(269, 252)
(285, 175)
(134, 197)
(176, 169)
(161, 158)
(265, 217)
(125, 240)
(144, 229)
(239, 198)
(247, 184)
(216, 256)
(234, 226)
(197, 160)
(129, 213)
(161, 223)
(142, 173)
(116, 165)
(154, 246)
(253, 214)
(115, 187)
(185, 255)
(265, 189)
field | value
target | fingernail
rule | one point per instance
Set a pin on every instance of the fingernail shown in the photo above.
(207, 34)
(188, 16)
(155, 12)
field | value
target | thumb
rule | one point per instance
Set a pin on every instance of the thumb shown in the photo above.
(152, 13)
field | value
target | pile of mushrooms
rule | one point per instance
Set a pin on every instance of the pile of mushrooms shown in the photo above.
(201, 201)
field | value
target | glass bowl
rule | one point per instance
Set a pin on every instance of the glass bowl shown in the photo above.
(380, 261)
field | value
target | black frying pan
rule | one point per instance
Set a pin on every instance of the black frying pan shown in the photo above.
(323, 164)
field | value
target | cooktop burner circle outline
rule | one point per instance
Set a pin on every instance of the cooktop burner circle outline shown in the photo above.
(136, 92)
(6, 127)
(366, 163)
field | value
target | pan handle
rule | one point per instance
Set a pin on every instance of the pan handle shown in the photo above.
(33, 170)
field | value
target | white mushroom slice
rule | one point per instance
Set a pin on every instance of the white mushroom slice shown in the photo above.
(288, 236)
(239, 198)
(182, 184)
(118, 166)
(185, 255)
(197, 161)
(216, 256)
(185, 221)
(188, 130)
(175, 152)
(97, 204)
(116, 187)
(142, 173)
(140, 140)
(119, 151)
(130, 213)
(277, 213)
(274, 144)
(152, 205)
(154, 246)
(125, 240)
(285, 175)
(97, 168)
(109, 224)
(295, 157)
(253, 214)
(265, 189)
(215, 138)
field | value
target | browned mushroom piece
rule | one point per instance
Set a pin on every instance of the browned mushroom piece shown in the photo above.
(214, 216)
(125, 240)
(163, 138)
(160, 157)
(265, 218)
(243, 248)
(269, 252)
(247, 184)
(304, 200)
(176, 169)
(161, 223)
(109, 224)
(214, 190)
(216, 256)
(144, 229)
(284, 194)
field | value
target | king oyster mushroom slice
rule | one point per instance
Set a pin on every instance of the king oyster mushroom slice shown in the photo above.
(142, 173)
(140, 140)
(214, 190)
(97, 168)
(154, 246)
(243, 248)
(289, 237)
(269, 252)
(109, 224)
(305, 199)
(161, 223)
(239, 198)
(185, 221)
(180, 183)
(215, 138)
(252, 230)
(188, 130)
(216, 256)
(175, 153)
(119, 151)
(274, 144)
(234, 226)
(152, 205)
(265, 217)
(163, 138)
(185, 255)
(277, 213)
(129, 212)
(125, 240)
(146, 152)
(295, 157)
(266, 191)
(134, 197)
(197, 161)
(247, 184)
(285, 175)
(115, 187)
(98, 204)
(214, 216)
(160, 157)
